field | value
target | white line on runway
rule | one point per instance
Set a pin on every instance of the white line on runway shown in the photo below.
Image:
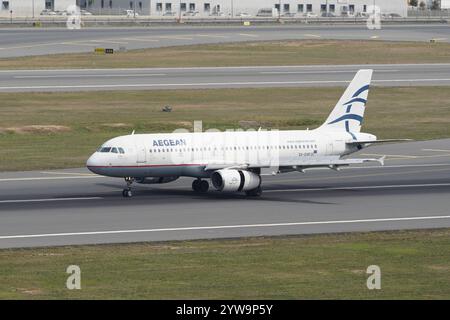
(49, 200)
(246, 67)
(93, 76)
(395, 186)
(207, 84)
(223, 227)
(319, 72)
(436, 150)
(51, 178)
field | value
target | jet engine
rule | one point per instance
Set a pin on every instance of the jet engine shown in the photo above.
(230, 180)
(155, 180)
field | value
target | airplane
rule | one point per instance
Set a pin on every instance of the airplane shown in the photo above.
(234, 161)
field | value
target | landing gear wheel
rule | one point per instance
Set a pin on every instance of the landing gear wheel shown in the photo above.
(200, 186)
(254, 193)
(196, 185)
(127, 193)
(204, 186)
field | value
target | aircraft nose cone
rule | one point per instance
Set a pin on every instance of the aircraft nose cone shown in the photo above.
(93, 163)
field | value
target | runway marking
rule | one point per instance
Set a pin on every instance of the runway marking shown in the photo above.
(49, 200)
(319, 72)
(363, 187)
(175, 38)
(436, 150)
(70, 173)
(212, 36)
(222, 227)
(402, 157)
(203, 84)
(140, 39)
(51, 178)
(93, 76)
(248, 35)
(362, 175)
(312, 35)
(108, 41)
(80, 43)
(374, 66)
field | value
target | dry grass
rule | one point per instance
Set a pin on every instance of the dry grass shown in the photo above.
(41, 139)
(295, 52)
(414, 265)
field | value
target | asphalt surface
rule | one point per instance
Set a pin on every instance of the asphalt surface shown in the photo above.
(69, 207)
(17, 42)
(227, 77)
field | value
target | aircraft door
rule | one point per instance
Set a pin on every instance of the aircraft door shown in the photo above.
(141, 154)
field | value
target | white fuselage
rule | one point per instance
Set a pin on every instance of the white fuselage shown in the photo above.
(198, 154)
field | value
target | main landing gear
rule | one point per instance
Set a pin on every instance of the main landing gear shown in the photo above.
(200, 186)
(254, 193)
(127, 192)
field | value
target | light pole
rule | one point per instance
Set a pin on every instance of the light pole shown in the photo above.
(33, 9)
(179, 17)
(232, 9)
(279, 10)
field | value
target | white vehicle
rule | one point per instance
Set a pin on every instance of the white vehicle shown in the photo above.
(243, 15)
(311, 15)
(48, 12)
(87, 13)
(131, 13)
(235, 161)
(267, 12)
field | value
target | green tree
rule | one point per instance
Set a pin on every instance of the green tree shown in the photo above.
(413, 3)
(436, 5)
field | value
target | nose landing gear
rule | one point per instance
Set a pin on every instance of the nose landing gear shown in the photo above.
(200, 186)
(127, 193)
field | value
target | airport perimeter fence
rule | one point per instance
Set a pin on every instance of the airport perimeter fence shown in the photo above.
(115, 20)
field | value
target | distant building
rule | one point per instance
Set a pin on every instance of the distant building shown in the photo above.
(31, 8)
(203, 8)
(206, 8)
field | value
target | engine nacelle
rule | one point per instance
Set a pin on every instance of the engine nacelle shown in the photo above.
(230, 180)
(155, 180)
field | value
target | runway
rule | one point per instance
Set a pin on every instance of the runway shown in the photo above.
(68, 207)
(18, 42)
(226, 77)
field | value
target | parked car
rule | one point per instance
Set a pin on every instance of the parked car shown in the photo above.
(131, 13)
(243, 15)
(217, 14)
(190, 13)
(267, 12)
(362, 15)
(87, 13)
(48, 12)
(328, 15)
(311, 15)
(393, 15)
(288, 15)
(169, 14)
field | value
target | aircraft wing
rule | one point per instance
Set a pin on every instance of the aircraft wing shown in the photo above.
(378, 141)
(287, 167)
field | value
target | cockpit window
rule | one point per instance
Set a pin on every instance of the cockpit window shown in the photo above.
(121, 150)
(105, 149)
(114, 150)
